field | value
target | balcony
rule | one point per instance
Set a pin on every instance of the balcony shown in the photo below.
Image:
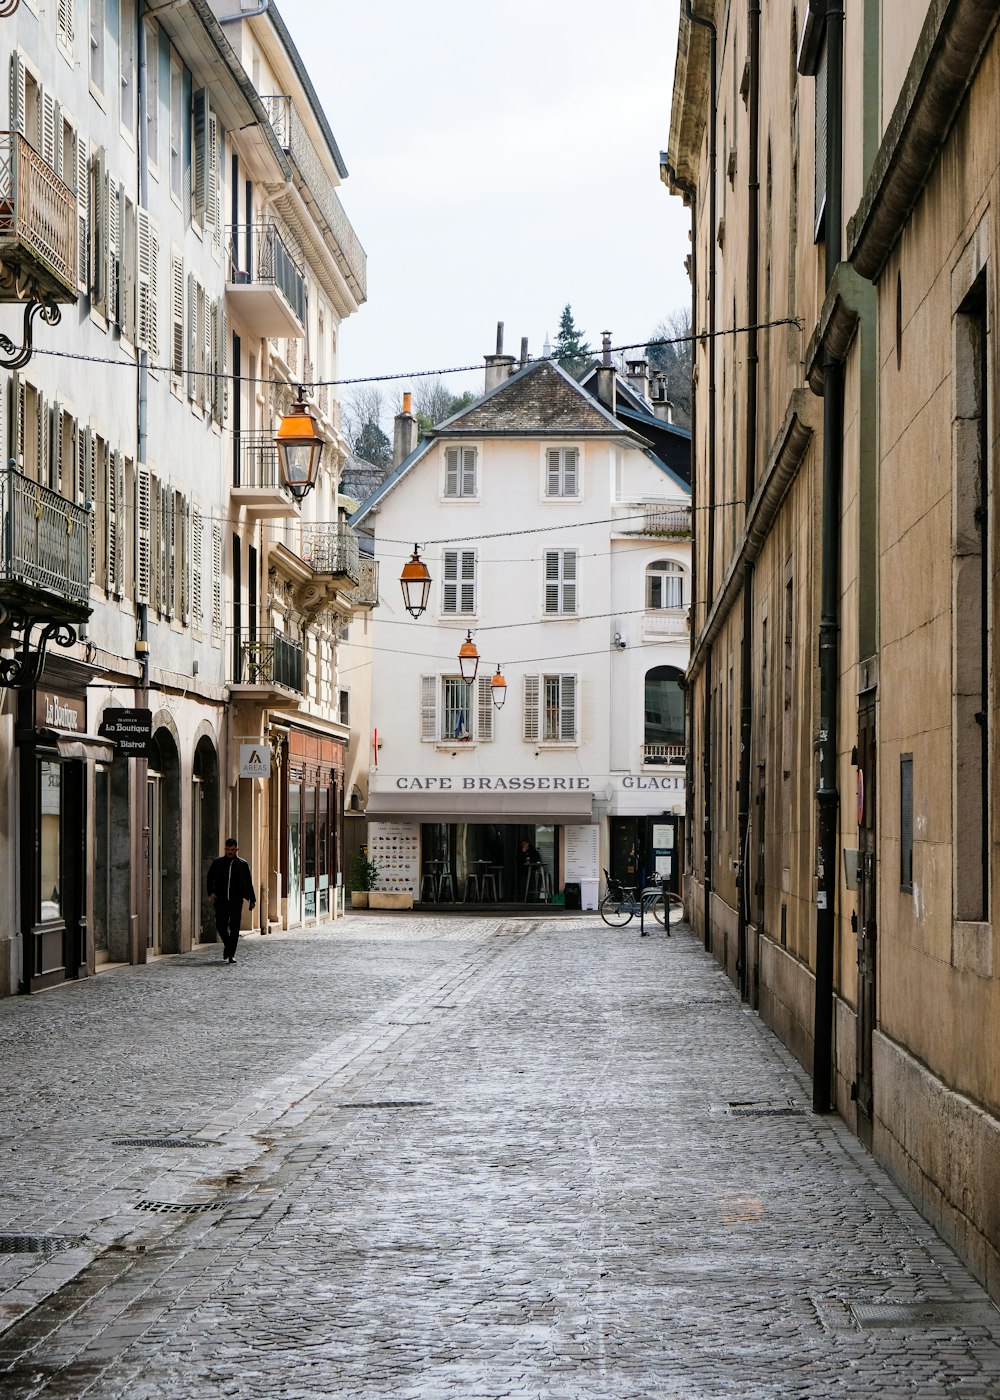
(258, 489)
(664, 755)
(657, 519)
(332, 550)
(265, 287)
(318, 191)
(365, 596)
(45, 544)
(37, 227)
(665, 625)
(268, 668)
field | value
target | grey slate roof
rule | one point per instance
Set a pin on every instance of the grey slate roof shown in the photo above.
(537, 400)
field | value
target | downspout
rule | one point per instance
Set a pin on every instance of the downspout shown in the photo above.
(139, 767)
(827, 799)
(245, 14)
(713, 164)
(746, 645)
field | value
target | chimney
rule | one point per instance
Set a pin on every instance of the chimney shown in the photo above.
(404, 434)
(606, 373)
(637, 374)
(524, 351)
(498, 366)
(662, 406)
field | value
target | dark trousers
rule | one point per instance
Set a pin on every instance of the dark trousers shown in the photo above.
(228, 917)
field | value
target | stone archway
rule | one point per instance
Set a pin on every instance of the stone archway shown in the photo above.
(205, 799)
(164, 843)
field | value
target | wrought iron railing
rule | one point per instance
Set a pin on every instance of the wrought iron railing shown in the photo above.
(366, 593)
(294, 138)
(45, 540)
(259, 254)
(664, 753)
(37, 210)
(257, 462)
(332, 549)
(265, 656)
(665, 520)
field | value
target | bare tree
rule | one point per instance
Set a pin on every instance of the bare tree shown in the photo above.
(362, 414)
(433, 402)
(669, 351)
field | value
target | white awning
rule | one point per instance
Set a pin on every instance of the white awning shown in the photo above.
(71, 745)
(483, 808)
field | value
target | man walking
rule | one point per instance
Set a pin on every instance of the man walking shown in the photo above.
(229, 883)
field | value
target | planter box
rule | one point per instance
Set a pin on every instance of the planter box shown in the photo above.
(359, 899)
(390, 899)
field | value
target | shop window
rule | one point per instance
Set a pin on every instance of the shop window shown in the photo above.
(50, 843)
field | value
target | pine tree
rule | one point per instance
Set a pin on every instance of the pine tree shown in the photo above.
(570, 348)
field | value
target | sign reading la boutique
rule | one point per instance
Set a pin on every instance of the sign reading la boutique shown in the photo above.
(623, 782)
(60, 712)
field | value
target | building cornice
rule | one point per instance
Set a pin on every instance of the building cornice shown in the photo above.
(846, 299)
(689, 105)
(944, 63)
(802, 420)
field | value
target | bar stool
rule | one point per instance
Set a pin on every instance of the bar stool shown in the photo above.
(534, 887)
(428, 887)
(446, 880)
(472, 890)
(488, 887)
(497, 872)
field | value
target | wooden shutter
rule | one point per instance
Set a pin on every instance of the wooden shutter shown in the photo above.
(569, 581)
(531, 694)
(99, 231)
(88, 474)
(143, 534)
(571, 472)
(114, 234)
(567, 709)
(199, 154)
(468, 471)
(176, 318)
(205, 348)
(220, 383)
(148, 261)
(18, 414)
(216, 580)
(197, 527)
(121, 519)
(111, 541)
(192, 336)
(213, 190)
(18, 93)
(552, 580)
(428, 707)
(64, 21)
(552, 472)
(484, 709)
(82, 212)
(451, 471)
(49, 125)
(459, 584)
(55, 427)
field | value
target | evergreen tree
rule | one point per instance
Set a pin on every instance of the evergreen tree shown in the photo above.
(570, 348)
(373, 445)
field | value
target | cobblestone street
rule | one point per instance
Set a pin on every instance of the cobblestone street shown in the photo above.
(460, 1157)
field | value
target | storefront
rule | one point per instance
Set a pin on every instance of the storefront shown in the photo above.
(314, 826)
(56, 755)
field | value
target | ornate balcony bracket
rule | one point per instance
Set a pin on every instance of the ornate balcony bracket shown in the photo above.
(23, 670)
(17, 356)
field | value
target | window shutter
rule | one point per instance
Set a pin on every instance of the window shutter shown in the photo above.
(552, 580)
(451, 471)
(128, 293)
(64, 21)
(82, 212)
(176, 318)
(143, 534)
(567, 709)
(449, 586)
(145, 308)
(820, 92)
(55, 427)
(196, 535)
(467, 596)
(213, 189)
(569, 581)
(484, 710)
(428, 707)
(205, 356)
(199, 154)
(114, 287)
(18, 93)
(99, 232)
(88, 474)
(111, 541)
(48, 151)
(531, 693)
(468, 471)
(192, 336)
(216, 580)
(552, 472)
(171, 550)
(42, 440)
(118, 463)
(571, 472)
(19, 408)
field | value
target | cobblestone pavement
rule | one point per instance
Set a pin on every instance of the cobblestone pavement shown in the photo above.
(451, 1158)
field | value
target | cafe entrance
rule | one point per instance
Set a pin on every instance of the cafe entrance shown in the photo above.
(485, 863)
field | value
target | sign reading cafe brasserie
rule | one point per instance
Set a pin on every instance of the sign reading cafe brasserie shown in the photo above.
(673, 782)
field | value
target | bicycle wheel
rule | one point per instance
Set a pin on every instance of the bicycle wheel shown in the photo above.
(676, 910)
(658, 908)
(616, 909)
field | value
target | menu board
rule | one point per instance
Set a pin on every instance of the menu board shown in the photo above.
(582, 853)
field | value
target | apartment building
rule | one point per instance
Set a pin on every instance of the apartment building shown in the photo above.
(171, 223)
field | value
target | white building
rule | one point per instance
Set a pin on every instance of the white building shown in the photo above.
(557, 537)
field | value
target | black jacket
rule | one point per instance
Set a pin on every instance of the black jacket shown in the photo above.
(241, 886)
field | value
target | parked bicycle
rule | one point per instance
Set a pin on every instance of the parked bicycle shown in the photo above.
(621, 903)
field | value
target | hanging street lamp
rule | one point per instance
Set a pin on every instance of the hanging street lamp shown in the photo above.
(415, 581)
(498, 689)
(468, 659)
(300, 448)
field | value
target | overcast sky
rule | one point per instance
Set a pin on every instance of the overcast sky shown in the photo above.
(504, 160)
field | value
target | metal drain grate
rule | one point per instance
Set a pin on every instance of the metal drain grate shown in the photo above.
(764, 1110)
(388, 1103)
(180, 1207)
(161, 1142)
(952, 1315)
(35, 1244)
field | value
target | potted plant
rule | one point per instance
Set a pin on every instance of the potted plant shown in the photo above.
(364, 873)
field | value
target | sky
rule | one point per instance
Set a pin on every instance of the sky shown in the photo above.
(504, 160)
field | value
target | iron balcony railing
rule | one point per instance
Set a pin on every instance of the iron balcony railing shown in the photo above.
(45, 541)
(37, 211)
(332, 549)
(295, 140)
(264, 656)
(257, 462)
(665, 520)
(664, 753)
(258, 254)
(366, 593)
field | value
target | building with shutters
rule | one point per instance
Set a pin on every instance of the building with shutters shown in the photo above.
(171, 183)
(560, 541)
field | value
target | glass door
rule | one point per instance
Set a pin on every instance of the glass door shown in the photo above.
(154, 862)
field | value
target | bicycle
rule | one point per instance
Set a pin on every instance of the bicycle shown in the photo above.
(621, 904)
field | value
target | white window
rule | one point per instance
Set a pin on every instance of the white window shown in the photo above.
(665, 585)
(176, 127)
(550, 709)
(560, 581)
(562, 471)
(460, 471)
(97, 44)
(458, 587)
(153, 95)
(126, 65)
(454, 712)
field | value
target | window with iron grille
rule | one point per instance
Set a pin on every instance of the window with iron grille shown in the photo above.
(453, 711)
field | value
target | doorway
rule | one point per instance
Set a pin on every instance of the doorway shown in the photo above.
(153, 857)
(867, 907)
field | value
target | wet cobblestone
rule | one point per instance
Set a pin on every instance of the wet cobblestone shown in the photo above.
(453, 1158)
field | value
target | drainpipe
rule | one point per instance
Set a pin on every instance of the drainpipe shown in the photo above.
(713, 166)
(139, 767)
(827, 798)
(746, 645)
(245, 14)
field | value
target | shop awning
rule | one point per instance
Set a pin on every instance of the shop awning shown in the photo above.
(71, 745)
(483, 808)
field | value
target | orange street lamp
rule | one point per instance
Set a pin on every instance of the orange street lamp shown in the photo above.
(498, 689)
(415, 581)
(468, 659)
(300, 448)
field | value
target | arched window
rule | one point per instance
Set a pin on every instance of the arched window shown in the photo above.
(665, 585)
(664, 732)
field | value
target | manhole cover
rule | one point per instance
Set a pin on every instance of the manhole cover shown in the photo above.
(180, 1207)
(160, 1142)
(388, 1103)
(951, 1315)
(35, 1244)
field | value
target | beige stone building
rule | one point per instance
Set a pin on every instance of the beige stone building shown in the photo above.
(841, 167)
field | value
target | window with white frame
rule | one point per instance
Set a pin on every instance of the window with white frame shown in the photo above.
(153, 95)
(561, 576)
(460, 474)
(454, 711)
(458, 585)
(126, 64)
(176, 127)
(550, 709)
(665, 585)
(98, 41)
(562, 471)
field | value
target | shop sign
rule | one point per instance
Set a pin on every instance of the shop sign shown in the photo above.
(255, 761)
(131, 730)
(60, 712)
(483, 784)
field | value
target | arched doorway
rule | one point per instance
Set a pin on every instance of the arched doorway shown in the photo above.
(204, 836)
(163, 845)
